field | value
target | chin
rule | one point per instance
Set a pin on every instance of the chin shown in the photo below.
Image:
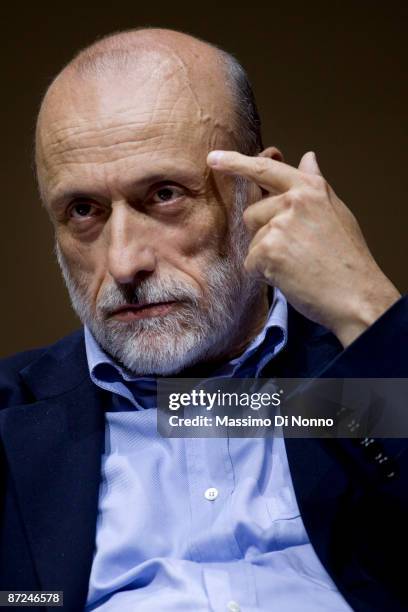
(148, 354)
(154, 364)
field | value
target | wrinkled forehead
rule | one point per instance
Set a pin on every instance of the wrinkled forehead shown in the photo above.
(158, 98)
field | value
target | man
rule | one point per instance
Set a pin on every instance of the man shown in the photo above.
(149, 155)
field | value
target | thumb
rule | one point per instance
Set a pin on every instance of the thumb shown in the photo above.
(308, 164)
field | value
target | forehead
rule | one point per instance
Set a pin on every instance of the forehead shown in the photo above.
(158, 105)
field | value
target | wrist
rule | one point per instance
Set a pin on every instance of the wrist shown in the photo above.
(363, 311)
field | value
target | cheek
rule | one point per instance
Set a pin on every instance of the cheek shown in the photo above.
(207, 229)
(86, 263)
(191, 249)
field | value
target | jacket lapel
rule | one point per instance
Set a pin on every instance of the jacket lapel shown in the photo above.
(53, 447)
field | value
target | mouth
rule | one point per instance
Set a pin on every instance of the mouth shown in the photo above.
(133, 312)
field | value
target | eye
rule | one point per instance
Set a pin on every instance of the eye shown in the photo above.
(83, 210)
(167, 193)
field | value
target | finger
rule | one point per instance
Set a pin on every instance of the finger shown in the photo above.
(258, 265)
(260, 234)
(309, 165)
(268, 173)
(260, 213)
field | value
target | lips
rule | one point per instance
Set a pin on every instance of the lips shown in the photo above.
(131, 312)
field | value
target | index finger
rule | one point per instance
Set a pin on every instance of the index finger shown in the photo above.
(268, 173)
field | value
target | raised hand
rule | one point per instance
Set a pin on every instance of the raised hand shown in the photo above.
(309, 244)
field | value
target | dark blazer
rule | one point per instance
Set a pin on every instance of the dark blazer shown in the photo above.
(355, 509)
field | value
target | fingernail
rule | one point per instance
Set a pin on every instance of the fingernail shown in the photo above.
(215, 157)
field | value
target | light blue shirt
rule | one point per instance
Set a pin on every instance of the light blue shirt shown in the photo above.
(162, 545)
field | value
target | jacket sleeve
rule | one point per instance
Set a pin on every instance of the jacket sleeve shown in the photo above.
(370, 513)
(380, 352)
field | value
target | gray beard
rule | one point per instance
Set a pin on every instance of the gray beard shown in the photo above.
(200, 328)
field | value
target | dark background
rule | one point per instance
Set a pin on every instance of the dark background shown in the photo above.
(328, 77)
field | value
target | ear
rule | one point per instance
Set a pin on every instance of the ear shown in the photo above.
(271, 152)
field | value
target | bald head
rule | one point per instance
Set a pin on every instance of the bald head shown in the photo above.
(207, 72)
(121, 50)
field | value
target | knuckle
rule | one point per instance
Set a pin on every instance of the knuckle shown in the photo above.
(250, 220)
(280, 224)
(267, 257)
(296, 198)
(285, 199)
(272, 266)
(317, 182)
(272, 247)
(261, 165)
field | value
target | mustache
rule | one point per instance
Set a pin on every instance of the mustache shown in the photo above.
(147, 291)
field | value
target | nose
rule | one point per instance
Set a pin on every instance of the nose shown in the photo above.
(130, 255)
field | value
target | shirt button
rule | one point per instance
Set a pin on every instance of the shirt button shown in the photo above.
(211, 493)
(232, 606)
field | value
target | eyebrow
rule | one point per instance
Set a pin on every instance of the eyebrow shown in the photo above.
(60, 198)
(190, 179)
